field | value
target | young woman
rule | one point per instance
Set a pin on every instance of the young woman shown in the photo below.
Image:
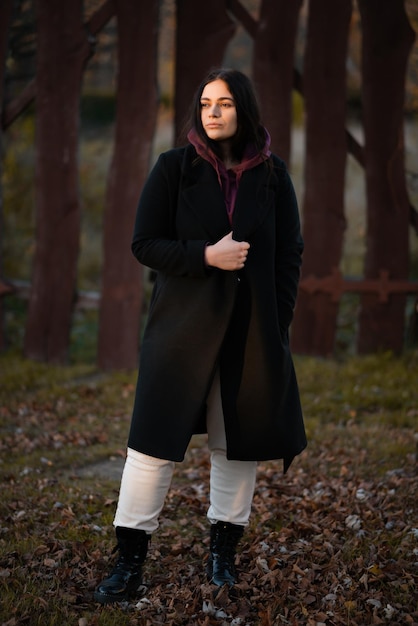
(218, 222)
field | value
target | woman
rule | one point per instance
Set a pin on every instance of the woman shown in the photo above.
(218, 222)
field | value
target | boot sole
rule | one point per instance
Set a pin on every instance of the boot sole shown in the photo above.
(104, 598)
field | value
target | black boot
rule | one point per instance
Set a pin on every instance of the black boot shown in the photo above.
(224, 538)
(126, 576)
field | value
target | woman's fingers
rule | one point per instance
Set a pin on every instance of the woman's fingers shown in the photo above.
(227, 254)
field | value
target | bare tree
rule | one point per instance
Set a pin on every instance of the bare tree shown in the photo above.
(313, 330)
(201, 38)
(387, 41)
(61, 53)
(274, 46)
(137, 103)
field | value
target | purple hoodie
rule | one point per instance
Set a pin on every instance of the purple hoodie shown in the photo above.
(229, 179)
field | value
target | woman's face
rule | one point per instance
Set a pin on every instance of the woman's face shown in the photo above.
(218, 112)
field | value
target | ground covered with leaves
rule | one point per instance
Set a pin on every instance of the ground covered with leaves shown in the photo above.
(334, 542)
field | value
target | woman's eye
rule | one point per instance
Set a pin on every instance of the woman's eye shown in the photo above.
(223, 105)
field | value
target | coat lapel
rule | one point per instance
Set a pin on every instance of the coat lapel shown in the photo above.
(203, 195)
(254, 200)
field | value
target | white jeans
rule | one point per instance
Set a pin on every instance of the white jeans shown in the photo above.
(146, 480)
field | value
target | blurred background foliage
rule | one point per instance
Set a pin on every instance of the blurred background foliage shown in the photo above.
(97, 114)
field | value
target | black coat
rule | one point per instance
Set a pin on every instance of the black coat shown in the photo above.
(202, 318)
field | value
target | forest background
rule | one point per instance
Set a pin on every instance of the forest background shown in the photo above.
(96, 139)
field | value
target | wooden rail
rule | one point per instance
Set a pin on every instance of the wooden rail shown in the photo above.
(20, 288)
(336, 285)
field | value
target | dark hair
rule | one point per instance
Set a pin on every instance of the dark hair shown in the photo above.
(249, 127)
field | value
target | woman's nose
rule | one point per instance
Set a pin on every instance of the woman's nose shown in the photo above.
(215, 111)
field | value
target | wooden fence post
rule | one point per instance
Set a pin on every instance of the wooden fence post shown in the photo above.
(314, 326)
(62, 46)
(387, 41)
(5, 18)
(137, 104)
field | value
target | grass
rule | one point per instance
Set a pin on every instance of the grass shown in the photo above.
(56, 520)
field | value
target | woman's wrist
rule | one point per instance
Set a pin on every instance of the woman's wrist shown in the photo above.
(208, 254)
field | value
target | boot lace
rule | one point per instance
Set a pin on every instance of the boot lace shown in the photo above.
(224, 545)
(125, 563)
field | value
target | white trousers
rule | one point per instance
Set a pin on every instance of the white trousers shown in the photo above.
(146, 480)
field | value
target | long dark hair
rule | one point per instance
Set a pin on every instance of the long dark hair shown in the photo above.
(249, 127)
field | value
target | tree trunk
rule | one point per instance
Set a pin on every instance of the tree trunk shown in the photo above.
(273, 59)
(202, 35)
(313, 330)
(5, 19)
(387, 41)
(61, 53)
(120, 309)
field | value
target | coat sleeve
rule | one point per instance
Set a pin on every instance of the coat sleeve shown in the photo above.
(155, 243)
(289, 248)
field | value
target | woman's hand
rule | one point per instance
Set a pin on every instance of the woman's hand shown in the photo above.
(227, 254)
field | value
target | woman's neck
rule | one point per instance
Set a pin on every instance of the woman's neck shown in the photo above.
(227, 158)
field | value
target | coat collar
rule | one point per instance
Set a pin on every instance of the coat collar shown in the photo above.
(201, 191)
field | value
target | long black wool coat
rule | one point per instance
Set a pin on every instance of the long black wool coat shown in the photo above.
(201, 318)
